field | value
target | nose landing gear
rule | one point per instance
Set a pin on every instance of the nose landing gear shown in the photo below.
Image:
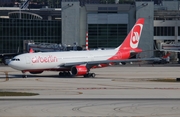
(24, 75)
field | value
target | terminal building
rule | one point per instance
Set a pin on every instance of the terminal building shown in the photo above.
(106, 24)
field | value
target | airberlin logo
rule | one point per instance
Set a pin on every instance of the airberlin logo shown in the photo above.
(44, 59)
(135, 35)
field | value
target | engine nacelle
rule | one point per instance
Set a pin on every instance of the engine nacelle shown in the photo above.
(79, 70)
(36, 72)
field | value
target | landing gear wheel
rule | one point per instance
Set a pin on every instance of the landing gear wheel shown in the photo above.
(60, 73)
(24, 76)
(123, 63)
(93, 75)
(65, 74)
(90, 75)
(86, 75)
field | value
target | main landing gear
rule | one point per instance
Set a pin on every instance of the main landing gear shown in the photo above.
(90, 75)
(68, 74)
(65, 74)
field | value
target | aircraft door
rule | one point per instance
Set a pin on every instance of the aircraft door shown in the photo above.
(28, 61)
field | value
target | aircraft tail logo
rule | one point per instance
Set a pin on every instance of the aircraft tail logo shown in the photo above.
(133, 38)
(135, 35)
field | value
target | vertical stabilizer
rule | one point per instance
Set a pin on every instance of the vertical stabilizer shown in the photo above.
(133, 38)
(129, 47)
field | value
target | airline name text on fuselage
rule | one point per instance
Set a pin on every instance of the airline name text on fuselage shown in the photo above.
(44, 59)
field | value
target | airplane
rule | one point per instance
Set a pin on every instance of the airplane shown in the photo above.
(79, 63)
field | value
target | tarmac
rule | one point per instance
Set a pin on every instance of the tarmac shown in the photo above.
(110, 82)
(123, 91)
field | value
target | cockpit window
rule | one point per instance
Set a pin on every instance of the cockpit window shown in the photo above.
(15, 59)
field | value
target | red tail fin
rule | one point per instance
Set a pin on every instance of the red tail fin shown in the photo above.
(31, 50)
(133, 38)
(129, 47)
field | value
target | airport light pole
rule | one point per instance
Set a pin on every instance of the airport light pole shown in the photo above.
(176, 31)
(19, 11)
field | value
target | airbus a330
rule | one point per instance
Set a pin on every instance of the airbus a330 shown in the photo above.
(79, 63)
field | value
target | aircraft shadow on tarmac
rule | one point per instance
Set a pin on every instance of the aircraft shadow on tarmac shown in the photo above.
(38, 76)
(41, 76)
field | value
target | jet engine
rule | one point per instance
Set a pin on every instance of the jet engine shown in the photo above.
(79, 70)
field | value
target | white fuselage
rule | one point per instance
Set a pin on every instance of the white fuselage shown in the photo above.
(53, 60)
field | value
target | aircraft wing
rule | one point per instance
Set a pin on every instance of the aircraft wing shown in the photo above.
(170, 50)
(91, 63)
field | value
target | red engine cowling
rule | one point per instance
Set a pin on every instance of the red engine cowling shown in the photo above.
(79, 70)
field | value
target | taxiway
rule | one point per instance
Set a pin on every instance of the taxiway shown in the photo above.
(115, 91)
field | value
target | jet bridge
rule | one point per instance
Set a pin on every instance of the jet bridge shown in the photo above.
(51, 47)
(170, 46)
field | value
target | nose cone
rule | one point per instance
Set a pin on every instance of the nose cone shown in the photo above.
(6, 62)
(13, 65)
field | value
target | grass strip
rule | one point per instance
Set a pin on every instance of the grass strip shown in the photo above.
(4, 93)
(164, 80)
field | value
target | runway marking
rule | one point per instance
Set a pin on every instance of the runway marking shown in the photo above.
(96, 88)
(83, 99)
(74, 116)
(92, 88)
